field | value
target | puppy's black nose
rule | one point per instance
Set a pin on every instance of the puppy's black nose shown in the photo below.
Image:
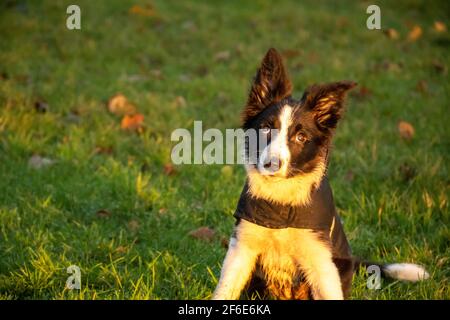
(274, 164)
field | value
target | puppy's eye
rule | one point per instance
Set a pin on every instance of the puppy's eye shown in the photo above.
(300, 138)
(265, 130)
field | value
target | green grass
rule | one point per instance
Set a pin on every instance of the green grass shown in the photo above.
(395, 205)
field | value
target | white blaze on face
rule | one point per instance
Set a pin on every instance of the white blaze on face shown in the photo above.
(278, 147)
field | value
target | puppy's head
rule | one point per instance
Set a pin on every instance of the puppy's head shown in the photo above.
(293, 135)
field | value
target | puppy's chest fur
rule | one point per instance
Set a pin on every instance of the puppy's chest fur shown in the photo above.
(284, 257)
(291, 241)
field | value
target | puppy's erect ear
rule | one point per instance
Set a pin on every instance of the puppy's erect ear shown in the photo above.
(270, 86)
(326, 102)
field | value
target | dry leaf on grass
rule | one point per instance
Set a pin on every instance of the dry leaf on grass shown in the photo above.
(203, 233)
(38, 162)
(132, 122)
(415, 33)
(144, 11)
(391, 33)
(440, 26)
(169, 169)
(103, 213)
(119, 105)
(406, 130)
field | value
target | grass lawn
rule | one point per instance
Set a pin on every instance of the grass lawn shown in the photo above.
(111, 203)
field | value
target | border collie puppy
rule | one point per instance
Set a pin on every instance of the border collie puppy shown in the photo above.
(288, 241)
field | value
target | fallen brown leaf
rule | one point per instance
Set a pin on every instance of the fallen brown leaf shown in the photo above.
(406, 130)
(119, 105)
(415, 33)
(103, 213)
(203, 233)
(169, 169)
(132, 122)
(162, 211)
(391, 33)
(38, 162)
(440, 26)
(146, 11)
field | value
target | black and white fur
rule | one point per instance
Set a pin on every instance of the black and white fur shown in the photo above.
(282, 258)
